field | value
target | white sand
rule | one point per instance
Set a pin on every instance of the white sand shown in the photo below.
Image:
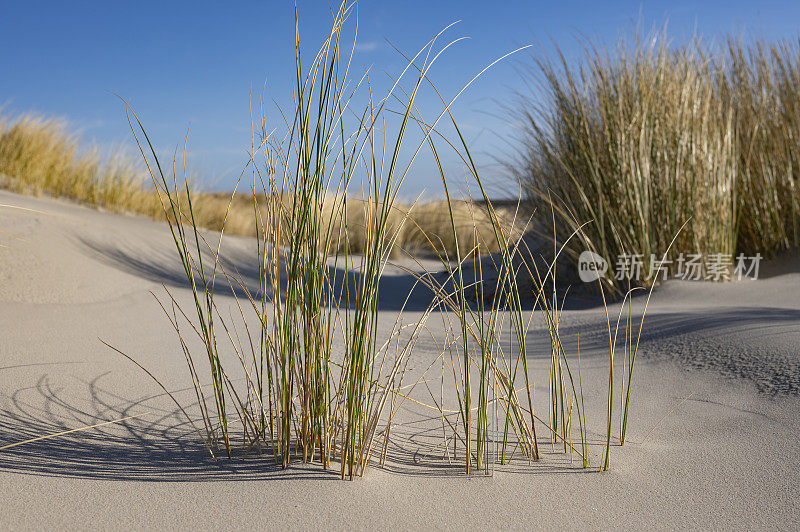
(726, 457)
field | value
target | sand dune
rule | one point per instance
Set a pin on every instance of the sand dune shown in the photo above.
(713, 441)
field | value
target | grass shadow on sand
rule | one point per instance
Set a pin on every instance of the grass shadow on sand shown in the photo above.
(157, 447)
(161, 446)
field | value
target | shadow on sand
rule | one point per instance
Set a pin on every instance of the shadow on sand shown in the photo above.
(161, 446)
(164, 268)
(400, 289)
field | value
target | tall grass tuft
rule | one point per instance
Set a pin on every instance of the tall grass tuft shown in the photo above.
(301, 399)
(640, 138)
(319, 379)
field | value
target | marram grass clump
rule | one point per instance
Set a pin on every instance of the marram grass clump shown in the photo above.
(304, 369)
(641, 138)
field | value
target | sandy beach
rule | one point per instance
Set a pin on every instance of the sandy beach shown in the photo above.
(713, 436)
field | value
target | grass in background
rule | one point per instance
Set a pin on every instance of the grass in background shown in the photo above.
(643, 137)
(41, 156)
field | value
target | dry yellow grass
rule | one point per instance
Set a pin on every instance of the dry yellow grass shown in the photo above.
(431, 223)
(640, 138)
(40, 155)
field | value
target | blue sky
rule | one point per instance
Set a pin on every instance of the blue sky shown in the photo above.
(197, 62)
